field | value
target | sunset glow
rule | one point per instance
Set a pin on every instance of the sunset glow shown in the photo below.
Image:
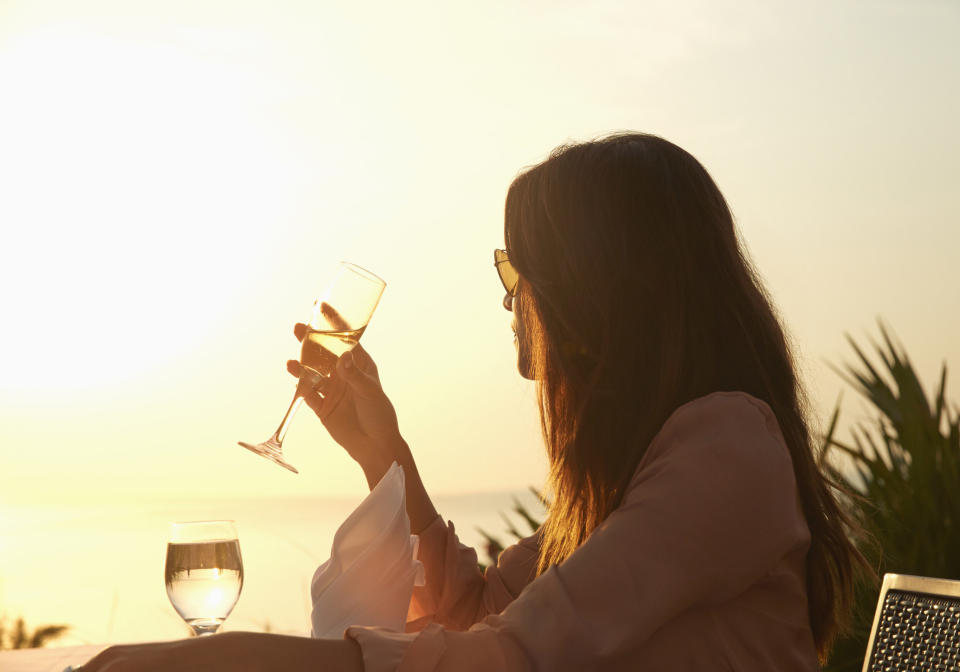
(179, 179)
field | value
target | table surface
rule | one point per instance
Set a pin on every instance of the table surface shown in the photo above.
(47, 660)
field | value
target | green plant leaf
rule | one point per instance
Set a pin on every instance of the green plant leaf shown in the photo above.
(906, 465)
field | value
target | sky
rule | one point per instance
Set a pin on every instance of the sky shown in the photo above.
(178, 179)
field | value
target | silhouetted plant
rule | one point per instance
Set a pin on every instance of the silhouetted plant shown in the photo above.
(19, 637)
(905, 464)
(494, 547)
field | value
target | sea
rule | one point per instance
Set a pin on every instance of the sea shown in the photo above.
(99, 568)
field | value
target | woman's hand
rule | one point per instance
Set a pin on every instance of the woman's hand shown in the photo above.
(353, 407)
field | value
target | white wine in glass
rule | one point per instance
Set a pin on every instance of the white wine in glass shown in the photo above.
(203, 573)
(320, 350)
(340, 316)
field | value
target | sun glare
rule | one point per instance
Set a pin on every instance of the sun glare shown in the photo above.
(139, 179)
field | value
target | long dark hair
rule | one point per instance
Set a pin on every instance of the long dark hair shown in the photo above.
(637, 298)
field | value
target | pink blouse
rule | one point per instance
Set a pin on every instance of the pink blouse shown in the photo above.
(702, 567)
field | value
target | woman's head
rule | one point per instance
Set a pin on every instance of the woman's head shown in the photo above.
(616, 241)
(634, 298)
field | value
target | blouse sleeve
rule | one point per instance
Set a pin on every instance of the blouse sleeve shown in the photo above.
(711, 509)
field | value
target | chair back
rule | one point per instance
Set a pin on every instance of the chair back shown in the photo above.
(916, 626)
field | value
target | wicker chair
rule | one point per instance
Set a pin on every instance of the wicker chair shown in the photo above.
(916, 627)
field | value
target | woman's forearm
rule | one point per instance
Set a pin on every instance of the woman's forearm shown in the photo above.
(419, 505)
(282, 652)
(420, 508)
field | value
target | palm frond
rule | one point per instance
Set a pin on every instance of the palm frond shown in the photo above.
(20, 637)
(906, 465)
(494, 545)
(45, 634)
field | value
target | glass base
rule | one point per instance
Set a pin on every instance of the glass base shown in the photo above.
(205, 626)
(271, 451)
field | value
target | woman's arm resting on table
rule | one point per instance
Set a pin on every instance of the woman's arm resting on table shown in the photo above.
(232, 652)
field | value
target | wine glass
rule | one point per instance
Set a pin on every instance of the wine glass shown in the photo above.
(340, 316)
(204, 572)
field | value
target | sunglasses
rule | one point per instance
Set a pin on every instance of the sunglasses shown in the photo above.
(508, 274)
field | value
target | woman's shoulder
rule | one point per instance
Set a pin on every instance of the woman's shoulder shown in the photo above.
(729, 428)
(723, 409)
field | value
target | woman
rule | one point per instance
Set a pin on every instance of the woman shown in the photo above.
(690, 527)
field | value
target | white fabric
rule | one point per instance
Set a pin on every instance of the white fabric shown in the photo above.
(372, 568)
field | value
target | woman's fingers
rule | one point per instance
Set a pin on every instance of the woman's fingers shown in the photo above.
(364, 384)
(315, 401)
(299, 330)
(363, 360)
(322, 397)
(312, 393)
(328, 398)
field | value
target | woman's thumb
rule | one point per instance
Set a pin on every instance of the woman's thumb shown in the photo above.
(363, 383)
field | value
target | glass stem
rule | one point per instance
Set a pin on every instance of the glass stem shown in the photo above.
(205, 630)
(288, 418)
